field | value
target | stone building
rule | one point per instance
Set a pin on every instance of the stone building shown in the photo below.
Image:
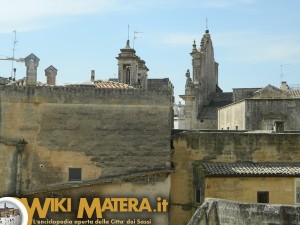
(248, 167)
(96, 139)
(265, 109)
(202, 95)
(208, 107)
(131, 68)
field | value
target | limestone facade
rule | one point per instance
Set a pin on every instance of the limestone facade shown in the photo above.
(262, 111)
(202, 94)
(193, 149)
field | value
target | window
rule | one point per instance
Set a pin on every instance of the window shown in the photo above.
(297, 191)
(74, 174)
(262, 197)
(127, 80)
(198, 196)
(236, 127)
(269, 126)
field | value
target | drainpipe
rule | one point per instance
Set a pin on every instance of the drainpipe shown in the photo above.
(20, 149)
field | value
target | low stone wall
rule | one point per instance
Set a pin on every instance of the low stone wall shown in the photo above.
(223, 212)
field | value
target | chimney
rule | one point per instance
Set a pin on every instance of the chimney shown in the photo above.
(92, 75)
(284, 86)
(31, 63)
(51, 73)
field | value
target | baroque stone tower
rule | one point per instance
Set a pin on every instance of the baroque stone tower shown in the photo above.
(131, 69)
(202, 90)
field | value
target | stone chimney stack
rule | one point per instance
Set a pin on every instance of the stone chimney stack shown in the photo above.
(92, 75)
(31, 63)
(284, 86)
(51, 73)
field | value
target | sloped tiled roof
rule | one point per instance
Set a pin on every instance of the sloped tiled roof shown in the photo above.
(111, 85)
(271, 91)
(218, 99)
(252, 169)
(295, 93)
(209, 112)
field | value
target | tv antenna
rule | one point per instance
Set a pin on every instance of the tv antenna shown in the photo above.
(13, 70)
(128, 32)
(135, 36)
(281, 71)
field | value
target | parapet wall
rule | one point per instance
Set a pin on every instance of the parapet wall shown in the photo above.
(60, 94)
(223, 212)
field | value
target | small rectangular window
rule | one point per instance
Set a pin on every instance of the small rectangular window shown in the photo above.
(74, 174)
(198, 196)
(262, 197)
(236, 127)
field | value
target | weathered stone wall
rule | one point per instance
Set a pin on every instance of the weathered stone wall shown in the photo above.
(263, 111)
(104, 132)
(8, 172)
(255, 114)
(222, 212)
(232, 117)
(244, 189)
(191, 149)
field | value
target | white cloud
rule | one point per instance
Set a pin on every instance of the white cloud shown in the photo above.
(256, 47)
(226, 3)
(178, 38)
(30, 14)
(244, 46)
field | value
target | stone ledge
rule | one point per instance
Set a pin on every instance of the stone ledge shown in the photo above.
(225, 212)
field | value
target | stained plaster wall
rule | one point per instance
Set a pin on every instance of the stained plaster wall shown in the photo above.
(104, 132)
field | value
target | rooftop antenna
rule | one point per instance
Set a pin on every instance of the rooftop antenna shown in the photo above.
(135, 36)
(13, 56)
(281, 70)
(206, 23)
(128, 32)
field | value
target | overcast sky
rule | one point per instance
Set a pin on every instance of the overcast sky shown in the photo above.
(251, 38)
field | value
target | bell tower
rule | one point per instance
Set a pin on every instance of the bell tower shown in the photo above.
(128, 66)
(132, 70)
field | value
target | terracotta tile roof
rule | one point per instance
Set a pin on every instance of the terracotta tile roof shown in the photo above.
(252, 169)
(111, 85)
